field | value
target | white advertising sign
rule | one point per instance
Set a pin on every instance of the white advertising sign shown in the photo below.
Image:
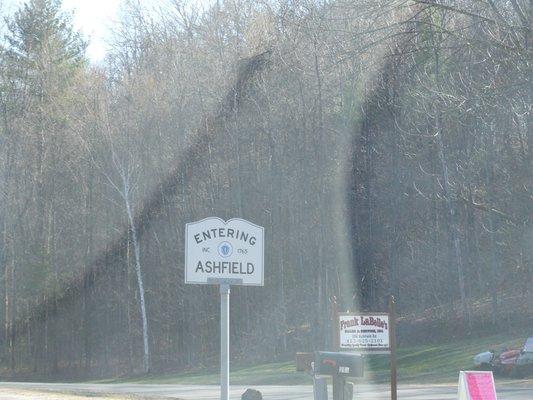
(216, 250)
(369, 332)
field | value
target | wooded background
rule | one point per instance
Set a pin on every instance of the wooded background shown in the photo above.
(385, 146)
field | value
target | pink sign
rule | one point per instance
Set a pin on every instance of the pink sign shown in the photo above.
(480, 385)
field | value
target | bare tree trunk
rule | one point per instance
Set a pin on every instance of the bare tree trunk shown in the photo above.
(86, 303)
(138, 272)
(11, 307)
(451, 211)
(320, 171)
(489, 180)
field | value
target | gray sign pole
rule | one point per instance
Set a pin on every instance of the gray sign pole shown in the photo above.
(224, 341)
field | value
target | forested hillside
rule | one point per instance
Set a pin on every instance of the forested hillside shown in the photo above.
(385, 146)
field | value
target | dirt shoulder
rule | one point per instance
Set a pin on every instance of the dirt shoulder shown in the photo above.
(24, 394)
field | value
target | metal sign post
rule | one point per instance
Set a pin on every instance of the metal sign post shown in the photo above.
(225, 290)
(224, 253)
(224, 341)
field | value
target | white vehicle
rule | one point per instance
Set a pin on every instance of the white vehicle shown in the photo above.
(483, 359)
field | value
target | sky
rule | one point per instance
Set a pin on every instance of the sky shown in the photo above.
(94, 18)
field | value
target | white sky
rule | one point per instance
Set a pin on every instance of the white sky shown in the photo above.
(94, 18)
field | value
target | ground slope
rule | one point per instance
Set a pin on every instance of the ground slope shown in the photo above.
(437, 363)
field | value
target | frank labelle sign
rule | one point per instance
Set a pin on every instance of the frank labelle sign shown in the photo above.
(368, 332)
(224, 250)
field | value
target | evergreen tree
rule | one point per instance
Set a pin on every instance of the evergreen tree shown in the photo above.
(42, 43)
(42, 54)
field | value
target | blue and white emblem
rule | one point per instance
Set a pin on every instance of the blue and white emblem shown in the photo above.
(225, 249)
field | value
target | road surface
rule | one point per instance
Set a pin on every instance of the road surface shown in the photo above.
(506, 391)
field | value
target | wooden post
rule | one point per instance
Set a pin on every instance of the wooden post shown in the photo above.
(335, 343)
(392, 333)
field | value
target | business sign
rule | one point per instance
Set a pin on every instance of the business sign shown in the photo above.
(231, 251)
(476, 385)
(364, 332)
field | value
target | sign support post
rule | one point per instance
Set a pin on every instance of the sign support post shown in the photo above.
(393, 366)
(224, 341)
(335, 325)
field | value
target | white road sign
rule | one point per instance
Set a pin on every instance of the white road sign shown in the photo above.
(216, 250)
(369, 332)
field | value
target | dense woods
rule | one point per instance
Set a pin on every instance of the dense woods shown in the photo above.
(385, 146)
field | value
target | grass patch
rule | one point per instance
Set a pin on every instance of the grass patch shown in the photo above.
(439, 363)
(281, 373)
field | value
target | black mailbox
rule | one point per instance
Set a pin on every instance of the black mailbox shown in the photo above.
(338, 364)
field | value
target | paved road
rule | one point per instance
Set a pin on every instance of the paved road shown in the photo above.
(507, 391)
